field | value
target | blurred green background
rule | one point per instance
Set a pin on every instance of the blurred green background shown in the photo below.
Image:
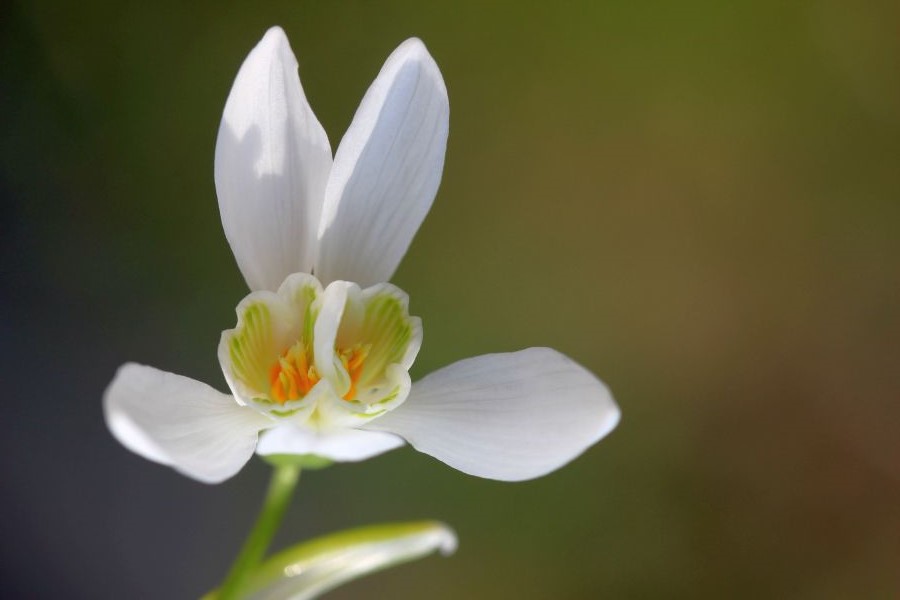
(700, 201)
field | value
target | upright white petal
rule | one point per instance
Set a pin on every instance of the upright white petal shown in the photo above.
(386, 170)
(505, 416)
(272, 164)
(181, 422)
(342, 445)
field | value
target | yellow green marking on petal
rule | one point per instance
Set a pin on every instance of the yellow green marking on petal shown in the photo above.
(386, 331)
(250, 344)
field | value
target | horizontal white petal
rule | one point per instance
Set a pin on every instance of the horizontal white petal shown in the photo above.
(386, 171)
(181, 422)
(342, 445)
(505, 416)
(272, 164)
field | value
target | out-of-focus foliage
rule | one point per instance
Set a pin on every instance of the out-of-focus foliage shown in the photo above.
(700, 201)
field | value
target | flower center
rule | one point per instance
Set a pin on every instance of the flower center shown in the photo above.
(292, 377)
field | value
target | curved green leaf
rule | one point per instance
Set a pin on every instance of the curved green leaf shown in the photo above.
(305, 571)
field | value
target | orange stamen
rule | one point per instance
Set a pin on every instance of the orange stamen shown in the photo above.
(292, 377)
(353, 360)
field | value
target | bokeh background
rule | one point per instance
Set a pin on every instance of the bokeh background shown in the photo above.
(700, 201)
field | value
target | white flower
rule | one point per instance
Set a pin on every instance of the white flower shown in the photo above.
(318, 365)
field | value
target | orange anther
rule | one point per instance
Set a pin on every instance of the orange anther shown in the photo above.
(291, 377)
(353, 361)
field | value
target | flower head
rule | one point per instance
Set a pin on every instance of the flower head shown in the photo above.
(318, 363)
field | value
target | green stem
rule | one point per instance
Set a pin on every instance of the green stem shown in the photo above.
(281, 488)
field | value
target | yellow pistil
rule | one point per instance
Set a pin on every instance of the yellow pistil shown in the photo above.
(353, 360)
(292, 377)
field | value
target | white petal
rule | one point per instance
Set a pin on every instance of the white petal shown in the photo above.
(505, 416)
(342, 445)
(386, 170)
(334, 299)
(272, 164)
(266, 325)
(181, 422)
